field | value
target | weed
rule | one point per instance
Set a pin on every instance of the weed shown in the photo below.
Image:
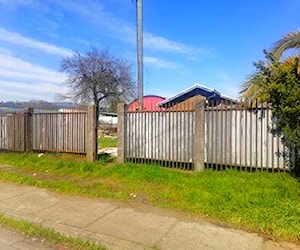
(52, 237)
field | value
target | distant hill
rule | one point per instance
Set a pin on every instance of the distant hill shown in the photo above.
(36, 104)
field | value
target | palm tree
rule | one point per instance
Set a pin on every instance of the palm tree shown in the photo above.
(251, 89)
(289, 41)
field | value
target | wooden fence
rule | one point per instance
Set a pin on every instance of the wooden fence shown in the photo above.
(12, 132)
(60, 132)
(244, 137)
(217, 136)
(163, 136)
(67, 132)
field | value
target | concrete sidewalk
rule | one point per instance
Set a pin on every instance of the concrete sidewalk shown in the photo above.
(117, 225)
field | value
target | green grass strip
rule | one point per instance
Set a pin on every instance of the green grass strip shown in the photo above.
(52, 237)
(266, 203)
(107, 142)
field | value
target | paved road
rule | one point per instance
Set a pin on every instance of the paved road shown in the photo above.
(10, 240)
(117, 225)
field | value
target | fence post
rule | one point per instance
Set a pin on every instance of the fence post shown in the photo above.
(91, 140)
(199, 138)
(28, 129)
(121, 132)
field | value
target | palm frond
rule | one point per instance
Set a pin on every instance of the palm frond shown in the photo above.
(289, 41)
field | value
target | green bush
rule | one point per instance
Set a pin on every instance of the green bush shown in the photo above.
(280, 84)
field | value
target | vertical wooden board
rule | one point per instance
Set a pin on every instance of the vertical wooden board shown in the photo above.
(40, 131)
(48, 132)
(33, 132)
(128, 139)
(253, 138)
(259, 152)
(132, 137)
(217, 136)
(16, 133)
(127, 134)
(37, 132)
(246, 129)
(137, 135)
(70, 136)
(210, 127)
(237, 137)
(147, 137)
(268, 140)
(161, 125)
(247, 138)
(213, 137)
(264, 139)
(59, 133)
(79, 133)
(130, 128)
(184, 136)
(2, 132)
(160, 136)
(22, 134)
(71, 145)
(55, 131)
(44, 132)
(229, 135)
(10, 132)
(143, 136)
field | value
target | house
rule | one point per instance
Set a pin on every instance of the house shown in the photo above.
(107, 118)
(150, 103)
(187, 99)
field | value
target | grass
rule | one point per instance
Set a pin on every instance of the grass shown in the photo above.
(259, 202)
(50, 236)
(107, 142)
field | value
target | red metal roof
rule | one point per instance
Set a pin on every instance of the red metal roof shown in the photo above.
(150, 103)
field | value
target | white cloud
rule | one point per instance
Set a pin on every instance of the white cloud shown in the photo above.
(161, 63)
(5, 51)
(31, 88)
(119, 28)
(156, 42)
(15, 38)
(19, 95)
(22, 80)
(125, 31)
(10, 64)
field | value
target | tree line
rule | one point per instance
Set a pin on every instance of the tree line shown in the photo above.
(38, 104)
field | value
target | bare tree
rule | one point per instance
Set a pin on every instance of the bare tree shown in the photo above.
(98, 77)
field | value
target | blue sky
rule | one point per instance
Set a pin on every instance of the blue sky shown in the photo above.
(185, 42)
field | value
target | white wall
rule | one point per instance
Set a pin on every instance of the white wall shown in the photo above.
(103, 119)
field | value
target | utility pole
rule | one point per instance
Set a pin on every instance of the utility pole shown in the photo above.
(139, 13)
